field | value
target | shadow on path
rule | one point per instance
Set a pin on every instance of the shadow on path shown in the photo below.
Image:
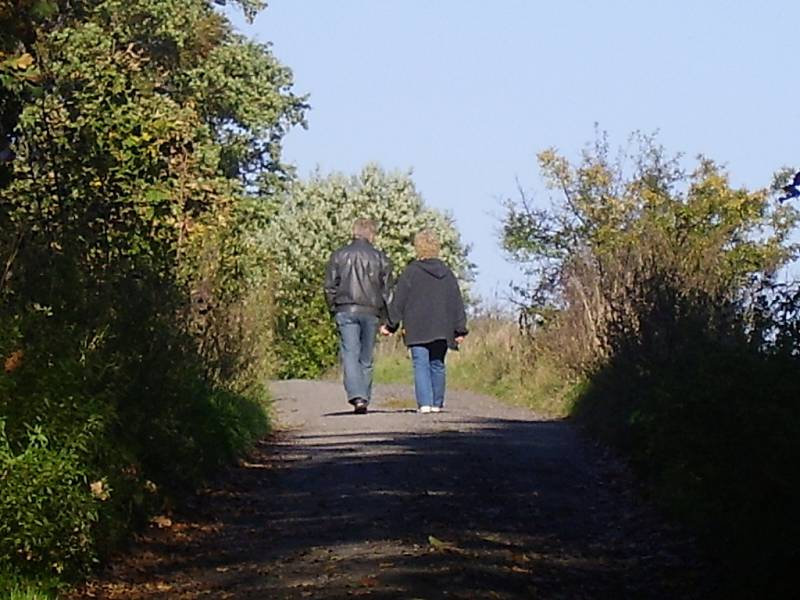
(473, 507)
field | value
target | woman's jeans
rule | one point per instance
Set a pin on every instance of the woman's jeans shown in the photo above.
(429, 372)
(357, 333)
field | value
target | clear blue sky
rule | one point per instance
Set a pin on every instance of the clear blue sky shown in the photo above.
(466, 93)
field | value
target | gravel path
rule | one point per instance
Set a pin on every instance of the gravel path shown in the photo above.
(482, 500)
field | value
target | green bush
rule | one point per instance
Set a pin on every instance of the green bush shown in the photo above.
(47, 509)
(224, 425)
(713, 429)
(133, 295)
(147, 450)
(308, 341)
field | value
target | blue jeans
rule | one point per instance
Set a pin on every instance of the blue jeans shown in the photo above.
(357, 344)
(429, 372)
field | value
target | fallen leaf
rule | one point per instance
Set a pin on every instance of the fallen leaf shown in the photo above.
(520, 558)
(438, 544)
(517, 569)
(13, 361)
(161, 521)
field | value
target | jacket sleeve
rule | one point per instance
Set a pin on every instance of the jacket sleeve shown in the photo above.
(397, 307)
(386, 283)
(459, 313)
(332, 280)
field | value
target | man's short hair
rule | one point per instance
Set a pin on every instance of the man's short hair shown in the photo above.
(364, 229)
(426, 244)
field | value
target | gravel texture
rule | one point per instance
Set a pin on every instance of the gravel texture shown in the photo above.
(483, 500)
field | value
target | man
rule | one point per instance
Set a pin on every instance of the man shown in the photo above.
(357, 283)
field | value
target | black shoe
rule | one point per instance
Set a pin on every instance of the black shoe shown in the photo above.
(360, 406)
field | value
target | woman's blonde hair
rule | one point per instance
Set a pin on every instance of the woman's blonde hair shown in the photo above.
(426, 244)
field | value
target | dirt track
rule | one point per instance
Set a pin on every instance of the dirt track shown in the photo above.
(480, 501)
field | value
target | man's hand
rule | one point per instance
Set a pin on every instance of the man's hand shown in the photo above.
(385, 330)
(459, 339)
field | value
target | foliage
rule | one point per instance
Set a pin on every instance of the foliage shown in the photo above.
(711, 422)
(134, 294)
(613, 226)
(315, 219)
(660, 292)
(46, 509)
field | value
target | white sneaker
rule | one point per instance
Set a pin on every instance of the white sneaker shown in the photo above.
(436, 409)
(424, 409)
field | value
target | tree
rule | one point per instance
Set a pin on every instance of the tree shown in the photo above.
(667, 310)
(624, 223)
(132, 295)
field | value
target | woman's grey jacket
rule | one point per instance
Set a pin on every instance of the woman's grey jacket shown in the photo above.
(428, 302)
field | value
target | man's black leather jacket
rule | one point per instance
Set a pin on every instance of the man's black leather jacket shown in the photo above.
(358, 279)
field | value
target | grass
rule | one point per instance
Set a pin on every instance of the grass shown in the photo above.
(392, 362)
(496, 360)
(15, 587)
(28, 593)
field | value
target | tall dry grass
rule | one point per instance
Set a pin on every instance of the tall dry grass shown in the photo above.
(496, 359)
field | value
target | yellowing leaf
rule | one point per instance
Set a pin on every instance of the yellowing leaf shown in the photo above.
(161, 521)
(24, 61)
(438, 544)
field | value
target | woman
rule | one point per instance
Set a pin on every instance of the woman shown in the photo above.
(428, 302)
